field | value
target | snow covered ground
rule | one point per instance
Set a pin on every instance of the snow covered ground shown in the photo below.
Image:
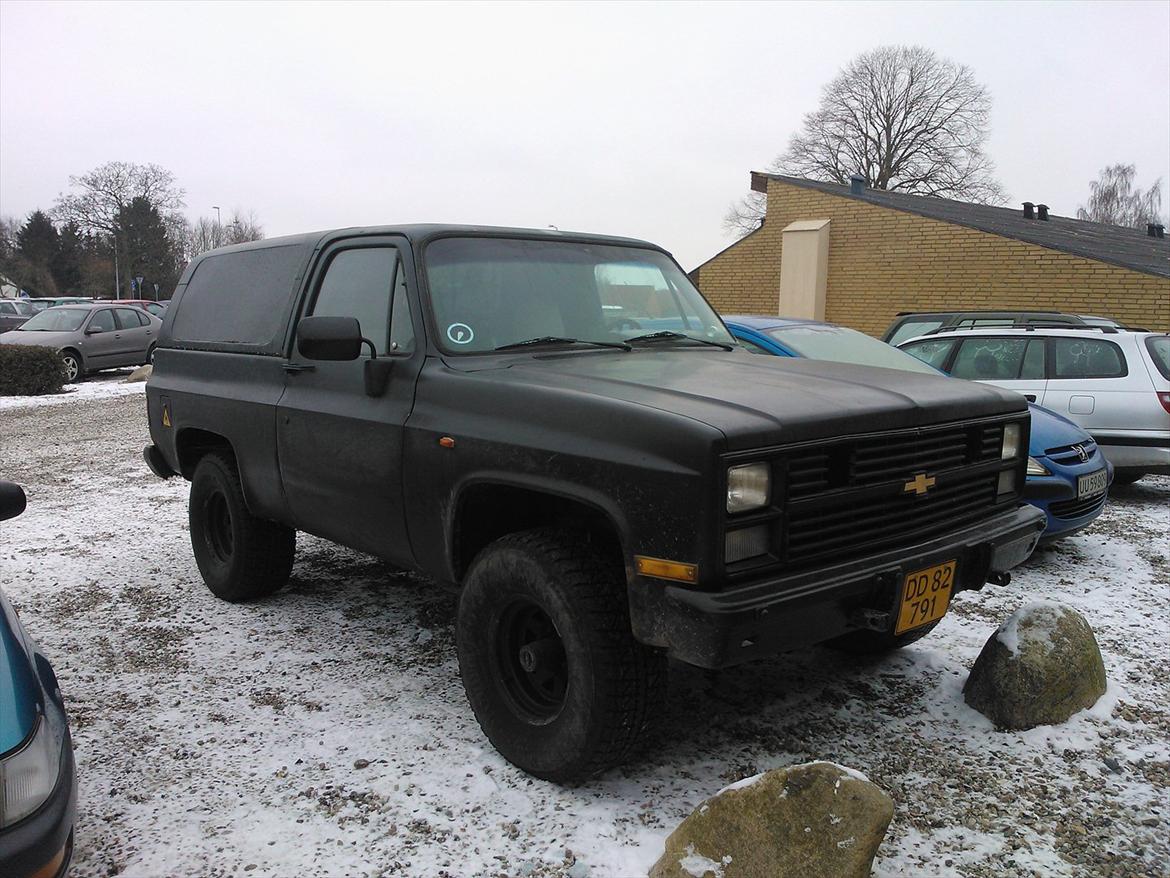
(325, 732)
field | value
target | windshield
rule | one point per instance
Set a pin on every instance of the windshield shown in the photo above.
(55, 320)
(491, 292)
(846, 346)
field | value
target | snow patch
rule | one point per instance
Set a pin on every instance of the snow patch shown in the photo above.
(1043, 617)
(742, 784)
(698, 866)
(103, 386)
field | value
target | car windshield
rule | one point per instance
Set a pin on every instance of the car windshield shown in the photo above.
(55, 320)
(489, 293)
(844, 345)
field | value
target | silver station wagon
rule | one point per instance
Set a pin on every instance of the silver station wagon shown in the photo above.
(91, 337)
(1114, 384)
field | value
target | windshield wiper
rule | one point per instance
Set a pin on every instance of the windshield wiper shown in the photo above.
(670, 334)
(556, 339)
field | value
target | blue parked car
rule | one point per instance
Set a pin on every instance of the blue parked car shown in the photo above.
(1068, 478)
(38, 786)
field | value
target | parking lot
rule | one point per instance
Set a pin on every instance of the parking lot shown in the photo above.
(325, 731)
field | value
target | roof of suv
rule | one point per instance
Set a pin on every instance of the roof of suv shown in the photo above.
(418, 233)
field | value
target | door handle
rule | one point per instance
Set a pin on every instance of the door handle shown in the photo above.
(298, 367)
(1031, 397)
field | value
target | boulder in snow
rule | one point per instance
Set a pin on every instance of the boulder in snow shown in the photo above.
(810, 821)
(139, 374)
(1041, 666)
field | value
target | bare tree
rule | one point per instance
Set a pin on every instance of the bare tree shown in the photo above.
(207, 233)
(1113, 200)
(110, 188)
(901, 117)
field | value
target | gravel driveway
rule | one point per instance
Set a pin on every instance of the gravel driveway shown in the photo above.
(325, 732)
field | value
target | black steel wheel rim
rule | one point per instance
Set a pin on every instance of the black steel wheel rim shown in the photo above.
(217, 519)
(530, 659)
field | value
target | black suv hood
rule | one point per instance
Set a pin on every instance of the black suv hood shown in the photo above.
(757, 401)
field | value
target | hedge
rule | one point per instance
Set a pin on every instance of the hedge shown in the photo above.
(30, 370)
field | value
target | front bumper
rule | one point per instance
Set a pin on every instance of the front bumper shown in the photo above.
(1056, 495)
(781, 613)
(41, 845)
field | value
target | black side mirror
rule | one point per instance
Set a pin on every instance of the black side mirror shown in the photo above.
(329, 338)
(12, 500)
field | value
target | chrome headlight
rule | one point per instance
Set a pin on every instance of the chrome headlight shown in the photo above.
(1011, 442)
(1036, 468)
(748, 487)
(28, 776)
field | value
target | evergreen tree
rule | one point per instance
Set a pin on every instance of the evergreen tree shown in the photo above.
(66, 266)
(148, 249)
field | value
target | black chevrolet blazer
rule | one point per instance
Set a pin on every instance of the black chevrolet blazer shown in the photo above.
(561, 426)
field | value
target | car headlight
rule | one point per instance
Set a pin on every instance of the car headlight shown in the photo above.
(28, 776)
(748, 487)
(1036, 468)
(1011, 442)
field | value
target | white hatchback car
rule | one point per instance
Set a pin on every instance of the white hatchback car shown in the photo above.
(1114, 384)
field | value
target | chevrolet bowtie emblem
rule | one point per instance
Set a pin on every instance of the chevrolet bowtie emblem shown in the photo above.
(920, 484)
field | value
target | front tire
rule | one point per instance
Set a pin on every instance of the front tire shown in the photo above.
(1127, 476)
(73, 368)
(240, 557)
(550, 666)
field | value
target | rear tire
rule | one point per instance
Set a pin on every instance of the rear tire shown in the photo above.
(240, 557)
(550, 666)
(877, 642)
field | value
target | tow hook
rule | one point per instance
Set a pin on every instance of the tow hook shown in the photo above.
(995, 577)
(872, 620)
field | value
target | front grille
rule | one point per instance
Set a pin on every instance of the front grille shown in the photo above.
(843, 499)
(1077, 508)
(1068, 454)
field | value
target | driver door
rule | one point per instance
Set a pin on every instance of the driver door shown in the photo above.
(341, 449)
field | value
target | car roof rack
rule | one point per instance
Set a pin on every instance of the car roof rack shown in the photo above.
(1028, 327)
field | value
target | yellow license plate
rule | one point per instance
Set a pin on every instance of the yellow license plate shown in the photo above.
(926, 594)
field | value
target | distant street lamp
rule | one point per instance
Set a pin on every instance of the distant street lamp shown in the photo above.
(218, 221)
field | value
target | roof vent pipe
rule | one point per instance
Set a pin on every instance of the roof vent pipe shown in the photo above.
(856, 184)
(1042, 212)
(1029, 210)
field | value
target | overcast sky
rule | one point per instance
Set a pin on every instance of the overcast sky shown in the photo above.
(631, 119)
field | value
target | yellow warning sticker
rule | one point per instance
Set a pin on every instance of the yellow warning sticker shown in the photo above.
(166, 415)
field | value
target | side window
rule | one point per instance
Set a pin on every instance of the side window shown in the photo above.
(911, 328)
(1159, 348)
(358, 284)
(990, 359)
(1033, 368)
(751, 346)
(401, 329)
(7, 308)
(933, 353)
(103, 320)
(1087, 358)
(128, 318)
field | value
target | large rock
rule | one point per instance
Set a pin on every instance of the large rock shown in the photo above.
(139, 374)
(810, 821)
(1041, 666)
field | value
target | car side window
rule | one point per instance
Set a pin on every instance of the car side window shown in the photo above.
(1033, 366)
(401, 329)
(751, 346)
(128, 318)
(357, 283)
(911, 328)
(933, 353)
(1088, 358)
(990, 359)
(7, 308)
(103, 320)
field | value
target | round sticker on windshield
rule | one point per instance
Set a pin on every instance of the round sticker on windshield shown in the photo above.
(460, 333)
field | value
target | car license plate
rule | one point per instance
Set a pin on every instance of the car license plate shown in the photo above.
(1092, 483)
(926, 594)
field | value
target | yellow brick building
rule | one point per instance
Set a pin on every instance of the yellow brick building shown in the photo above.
(859, 256)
